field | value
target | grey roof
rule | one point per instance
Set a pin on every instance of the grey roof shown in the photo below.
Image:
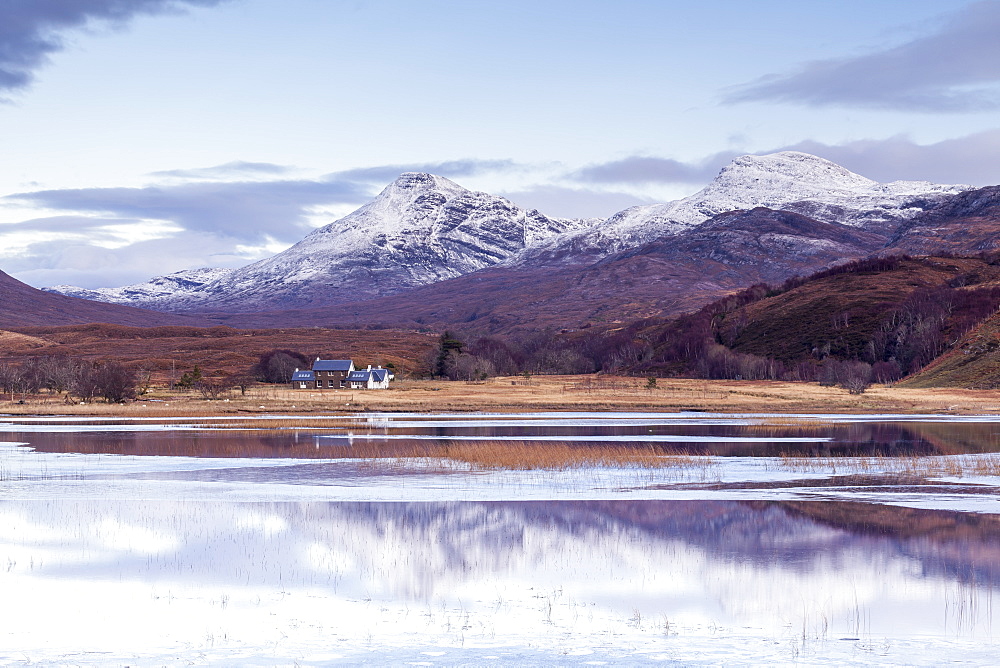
(332, 365)
(303, 375)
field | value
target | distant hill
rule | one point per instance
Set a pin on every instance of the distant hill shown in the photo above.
(22, 306)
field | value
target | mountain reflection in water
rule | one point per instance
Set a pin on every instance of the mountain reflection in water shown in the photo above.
(745, 563)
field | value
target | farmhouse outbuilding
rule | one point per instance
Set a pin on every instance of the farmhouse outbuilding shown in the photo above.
(370, 379)
(303, 380)
(339, 374)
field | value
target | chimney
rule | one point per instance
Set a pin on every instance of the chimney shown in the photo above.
(369, 367)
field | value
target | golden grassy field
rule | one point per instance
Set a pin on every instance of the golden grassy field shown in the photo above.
(540, 393)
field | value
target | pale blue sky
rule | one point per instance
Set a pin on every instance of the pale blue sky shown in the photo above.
(189, 133)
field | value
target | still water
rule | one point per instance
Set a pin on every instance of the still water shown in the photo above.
(690, 433)
(165, 546)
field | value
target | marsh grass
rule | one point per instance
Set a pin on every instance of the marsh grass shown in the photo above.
(556, 456)
(782, 425)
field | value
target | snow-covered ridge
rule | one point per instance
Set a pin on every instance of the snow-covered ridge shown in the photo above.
(150, 293)
(788, 180)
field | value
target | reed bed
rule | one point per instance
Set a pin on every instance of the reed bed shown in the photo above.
(776, 424)
(556, 456)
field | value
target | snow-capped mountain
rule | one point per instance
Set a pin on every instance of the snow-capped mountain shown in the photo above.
(152, 293)
(789, 181)
(421, 229)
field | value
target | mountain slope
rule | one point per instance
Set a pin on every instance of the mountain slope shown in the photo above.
(899, 312)
(965, 224)
(840, 313)
(23, 306)
(152, 293)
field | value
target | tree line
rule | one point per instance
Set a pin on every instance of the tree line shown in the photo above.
(86, 381)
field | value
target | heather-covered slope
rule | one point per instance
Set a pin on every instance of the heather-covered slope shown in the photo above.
(845, 313)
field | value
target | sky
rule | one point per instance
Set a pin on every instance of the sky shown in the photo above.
(143, 137)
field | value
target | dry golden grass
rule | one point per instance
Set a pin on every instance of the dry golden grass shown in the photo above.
(14, 340)
(542, 393)
(783, 424)
(555, 456)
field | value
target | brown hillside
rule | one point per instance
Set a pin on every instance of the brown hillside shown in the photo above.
(838, 314)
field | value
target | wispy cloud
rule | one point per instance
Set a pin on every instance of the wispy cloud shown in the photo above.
(954, 69)
(565, 202)
(76, 261)
(246, 212)
(31, 30)
(228, 172)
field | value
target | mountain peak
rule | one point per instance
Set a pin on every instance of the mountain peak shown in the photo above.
(421, 180)
(790, 169)
(409, 183)
(787, 180)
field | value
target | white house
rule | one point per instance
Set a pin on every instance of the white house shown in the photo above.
(369, 379)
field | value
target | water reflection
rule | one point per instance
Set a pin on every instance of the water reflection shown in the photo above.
(545, 569)
(351, 437)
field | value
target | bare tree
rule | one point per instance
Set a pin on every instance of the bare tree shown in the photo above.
(115, 382)
(213, 388)
(242, 380)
